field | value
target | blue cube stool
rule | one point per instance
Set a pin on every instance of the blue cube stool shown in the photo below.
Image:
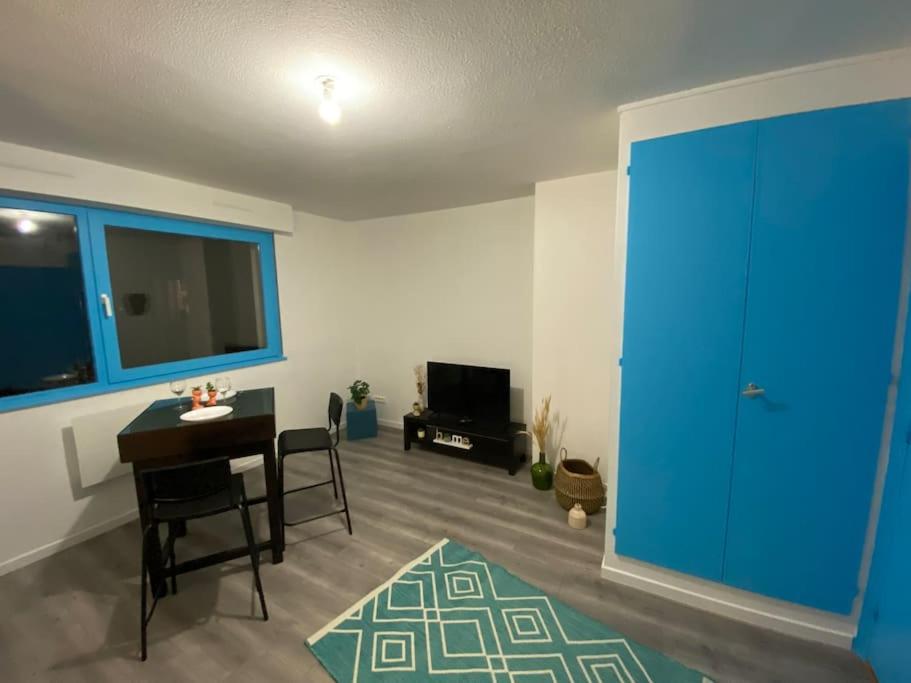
(361, 423)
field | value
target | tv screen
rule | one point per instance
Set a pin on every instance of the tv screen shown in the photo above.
(467, 392)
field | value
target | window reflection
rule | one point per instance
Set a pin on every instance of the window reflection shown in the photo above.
(179, 297)
(45, 342)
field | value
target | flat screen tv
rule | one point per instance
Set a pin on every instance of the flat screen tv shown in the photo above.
(468, 393)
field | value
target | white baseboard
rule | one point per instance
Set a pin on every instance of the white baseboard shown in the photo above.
(394, 424)
(67, 541)
(792, 620)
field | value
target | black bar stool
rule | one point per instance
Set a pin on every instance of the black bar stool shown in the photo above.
(188, 491)
(311, 440)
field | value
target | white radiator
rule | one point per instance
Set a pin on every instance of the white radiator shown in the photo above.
(96, 443)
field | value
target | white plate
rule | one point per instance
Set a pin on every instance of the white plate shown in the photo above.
(204, 414)
(230, 393)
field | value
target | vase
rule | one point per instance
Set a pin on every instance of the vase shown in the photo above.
(542, 474)
(577, 518)
(197, 396)
(360, 405)
(212, 396)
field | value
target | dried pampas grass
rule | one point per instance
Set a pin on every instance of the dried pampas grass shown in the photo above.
(540, 426)
(420, 379)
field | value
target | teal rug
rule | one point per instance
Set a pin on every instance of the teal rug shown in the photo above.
(450, 615)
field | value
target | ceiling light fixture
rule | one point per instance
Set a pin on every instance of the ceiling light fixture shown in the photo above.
(26, 226)
(329, 110)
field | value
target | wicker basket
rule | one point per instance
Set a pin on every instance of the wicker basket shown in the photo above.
(578, 482)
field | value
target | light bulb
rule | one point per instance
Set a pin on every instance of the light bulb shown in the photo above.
(329, 112)
(26, 226)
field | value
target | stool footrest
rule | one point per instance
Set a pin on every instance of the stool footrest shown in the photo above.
(311, 519)
(304, 488)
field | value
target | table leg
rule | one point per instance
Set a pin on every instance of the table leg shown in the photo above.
(153, 552)
(274, 501)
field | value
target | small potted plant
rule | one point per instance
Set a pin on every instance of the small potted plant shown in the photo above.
(360, 390)
(213, 393)
(197, 397)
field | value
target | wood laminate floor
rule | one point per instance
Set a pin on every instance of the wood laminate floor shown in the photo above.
(74, 616)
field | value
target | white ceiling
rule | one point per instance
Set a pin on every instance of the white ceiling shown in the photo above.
(448, 102)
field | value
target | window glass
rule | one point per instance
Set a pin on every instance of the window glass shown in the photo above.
(46, 341)
(178, 297)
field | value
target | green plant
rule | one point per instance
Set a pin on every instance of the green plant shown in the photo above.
(359, 390)
(197, 388)
(210, 386)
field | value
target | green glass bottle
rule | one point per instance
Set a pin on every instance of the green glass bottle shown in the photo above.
(542, 474)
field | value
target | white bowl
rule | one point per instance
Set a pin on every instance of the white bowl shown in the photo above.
(203, 414)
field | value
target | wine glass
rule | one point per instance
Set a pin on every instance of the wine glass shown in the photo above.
(178, 386)
(223, 384)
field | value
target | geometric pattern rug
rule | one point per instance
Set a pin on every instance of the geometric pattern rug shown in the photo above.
(450, 615)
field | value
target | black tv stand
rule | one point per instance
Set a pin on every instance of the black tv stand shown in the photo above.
(499, 444)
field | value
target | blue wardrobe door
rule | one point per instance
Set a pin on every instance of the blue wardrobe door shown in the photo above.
(689, 216)
(884, 631)
(884, 637)
(822, 303)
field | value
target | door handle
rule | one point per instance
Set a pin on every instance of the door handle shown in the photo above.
(106, 305)
(752, 391)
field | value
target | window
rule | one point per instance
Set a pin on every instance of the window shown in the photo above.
(46, 339)
(95, 300)
(179, 297)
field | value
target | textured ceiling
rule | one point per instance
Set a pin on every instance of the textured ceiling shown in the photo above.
(446, 102)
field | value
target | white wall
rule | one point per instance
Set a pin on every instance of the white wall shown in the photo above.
(36, 171)
(573, 345)
(843, 82)
(452, 285)
(43, 502)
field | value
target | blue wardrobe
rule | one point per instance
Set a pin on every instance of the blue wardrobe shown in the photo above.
(763, 270)
(884, 634)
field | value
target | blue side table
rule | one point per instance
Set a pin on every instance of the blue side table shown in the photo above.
(361, 423)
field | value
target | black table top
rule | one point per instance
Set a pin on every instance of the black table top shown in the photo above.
(164, 414)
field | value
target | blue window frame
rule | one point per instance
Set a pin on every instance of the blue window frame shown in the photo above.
(161, 298)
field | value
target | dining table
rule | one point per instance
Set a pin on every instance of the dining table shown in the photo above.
(158, 437)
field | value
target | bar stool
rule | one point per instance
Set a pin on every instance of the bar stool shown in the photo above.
(188, 491)
(311, 440)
